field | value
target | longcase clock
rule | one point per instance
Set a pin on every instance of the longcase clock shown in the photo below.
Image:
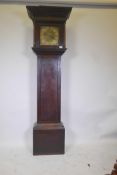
(49, 45)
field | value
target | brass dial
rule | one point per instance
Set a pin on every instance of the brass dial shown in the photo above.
(49, 36)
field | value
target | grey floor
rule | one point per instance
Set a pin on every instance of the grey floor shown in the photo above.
(90, 159)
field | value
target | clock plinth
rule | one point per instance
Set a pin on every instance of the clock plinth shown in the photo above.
(49, 45)
(48, 139)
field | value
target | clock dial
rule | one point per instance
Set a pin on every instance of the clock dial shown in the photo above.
(49, 36)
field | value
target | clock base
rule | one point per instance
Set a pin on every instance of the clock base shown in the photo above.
(48, 139)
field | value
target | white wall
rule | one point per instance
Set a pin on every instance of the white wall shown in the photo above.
(89, 83)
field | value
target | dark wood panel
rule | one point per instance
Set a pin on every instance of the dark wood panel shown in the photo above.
(49, 93)
(49, 139)
(45, 13)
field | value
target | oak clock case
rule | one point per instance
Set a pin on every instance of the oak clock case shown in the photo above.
(49, 45)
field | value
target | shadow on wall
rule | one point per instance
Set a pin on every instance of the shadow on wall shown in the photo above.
(67, 59)
(91, 55)
(111, 135)
(28, 137)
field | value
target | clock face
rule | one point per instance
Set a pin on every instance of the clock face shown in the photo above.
(49, 36)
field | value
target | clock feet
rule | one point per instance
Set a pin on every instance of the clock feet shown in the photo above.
(48, 139)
